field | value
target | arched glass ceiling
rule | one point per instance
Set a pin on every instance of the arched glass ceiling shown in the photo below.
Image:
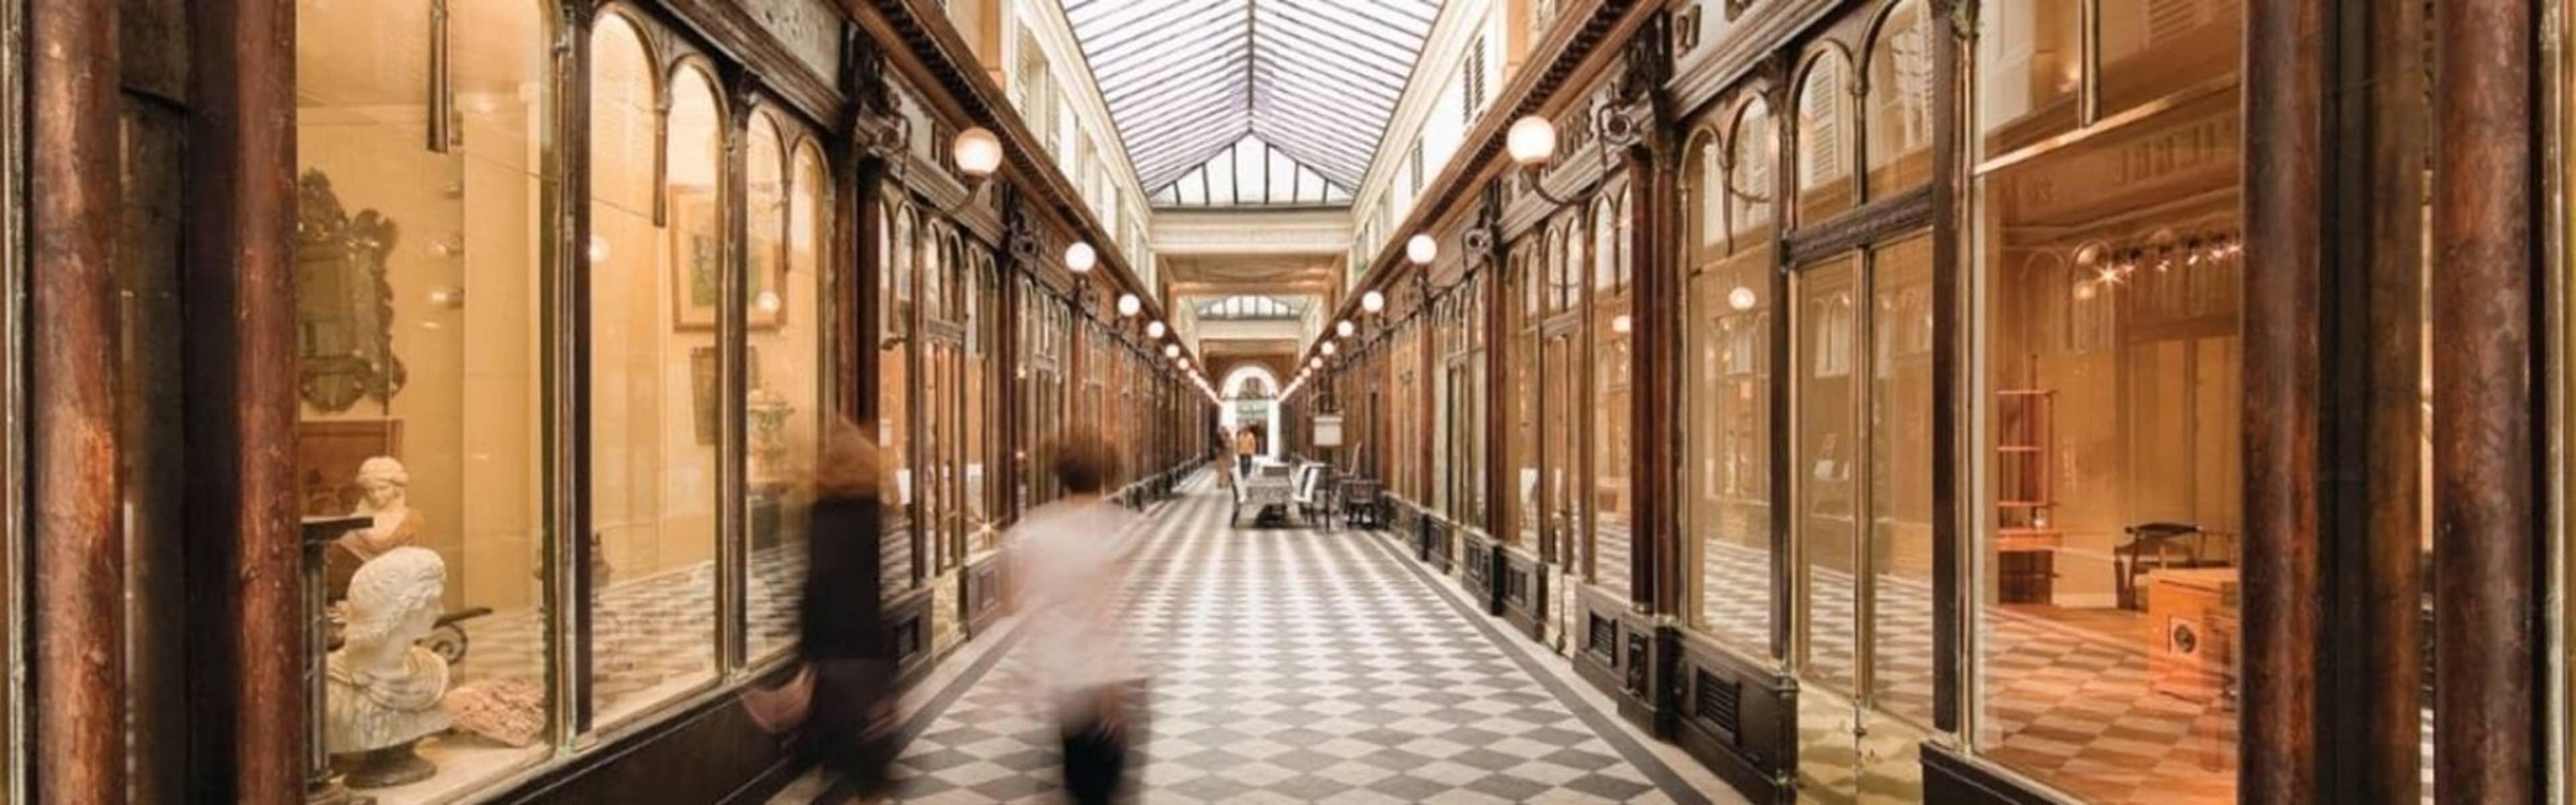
(1251, 173)
(1187, 79)
(1240, 308)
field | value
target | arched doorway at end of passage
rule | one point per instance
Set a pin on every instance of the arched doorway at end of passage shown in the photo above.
(1252, 395)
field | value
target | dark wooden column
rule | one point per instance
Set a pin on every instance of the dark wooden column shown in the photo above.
(1499, 397)
(246, 689)
(1951, 404)
(2371, 480)
(2283, 613)
(1011, 381)
(565, 292)
(1655, 570)
(2333, 150)
(2487, 439)
(77, 669)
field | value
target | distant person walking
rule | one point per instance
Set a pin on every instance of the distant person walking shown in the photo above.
(1074, 567)
(1246, 445)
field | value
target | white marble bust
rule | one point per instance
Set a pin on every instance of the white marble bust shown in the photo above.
(383, 691)
(388, 500)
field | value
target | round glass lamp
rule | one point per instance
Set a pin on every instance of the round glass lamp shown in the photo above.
(1421, 249)
(1372, 301)
(978, 153)
(1532, 140)
(1129, 305)
(1171, 350)
(1154, 329)
(1080, 257)
(1344, 328)
(1328, 348)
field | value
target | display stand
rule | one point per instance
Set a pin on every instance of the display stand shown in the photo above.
(321, 785)
(2025, 543)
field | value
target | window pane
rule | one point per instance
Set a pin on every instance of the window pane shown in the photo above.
(2158, 48)
(421, 415)
(1752, 181)
(2030, 66)
(1704, 200)
(1900, 101)
(1824, 139)
(895, 266)
(1727, 462)
(789, 402)
(653, 457)
(2108, 623)
(1900, 477)
(1611, 441)
(1824, 354)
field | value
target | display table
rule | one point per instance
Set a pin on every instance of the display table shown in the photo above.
(2026, 564)
(1259, 494)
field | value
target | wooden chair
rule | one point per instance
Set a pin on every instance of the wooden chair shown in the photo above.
(2157, 546)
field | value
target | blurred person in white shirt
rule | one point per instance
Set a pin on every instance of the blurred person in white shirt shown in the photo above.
(1073, 569)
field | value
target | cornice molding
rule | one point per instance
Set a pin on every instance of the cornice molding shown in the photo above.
(1321, 232)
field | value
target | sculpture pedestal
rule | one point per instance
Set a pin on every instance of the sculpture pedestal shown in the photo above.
(389, 767)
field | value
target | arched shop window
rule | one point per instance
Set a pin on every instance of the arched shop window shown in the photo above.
(654, 315)
(1727, 336)
(895, 265)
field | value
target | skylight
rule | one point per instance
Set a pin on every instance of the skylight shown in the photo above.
(1245, 307)
(1189, 80)
(1251, 173)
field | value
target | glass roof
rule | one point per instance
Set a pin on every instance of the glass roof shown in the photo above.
(1187, 80)
(1252, 307)
(1251, 173)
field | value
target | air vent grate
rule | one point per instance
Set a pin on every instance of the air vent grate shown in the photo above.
(1721, 702)
(1604, 638)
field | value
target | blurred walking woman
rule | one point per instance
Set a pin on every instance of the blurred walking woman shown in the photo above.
(843, 697)
(1073, 569)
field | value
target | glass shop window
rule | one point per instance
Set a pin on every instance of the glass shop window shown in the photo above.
(654, 294)
(1900, 477)
(1823, 104)
(786, 402)
(419, 253)
(894, 392)
(1611, 441)
(1825, 315)
(1524, 402)
(2107, 616)
(982, 324)
(1727, 386)
(1899, 110)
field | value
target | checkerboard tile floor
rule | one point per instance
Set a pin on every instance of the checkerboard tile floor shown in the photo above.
(649, 631)
(1296, 665)
(2071, 707)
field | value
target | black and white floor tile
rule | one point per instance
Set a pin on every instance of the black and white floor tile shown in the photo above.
(1298, 665)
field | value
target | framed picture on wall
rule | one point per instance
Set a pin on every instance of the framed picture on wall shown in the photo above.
(697, 266)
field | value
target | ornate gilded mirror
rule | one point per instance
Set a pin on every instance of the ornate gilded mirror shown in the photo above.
(344, 307)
